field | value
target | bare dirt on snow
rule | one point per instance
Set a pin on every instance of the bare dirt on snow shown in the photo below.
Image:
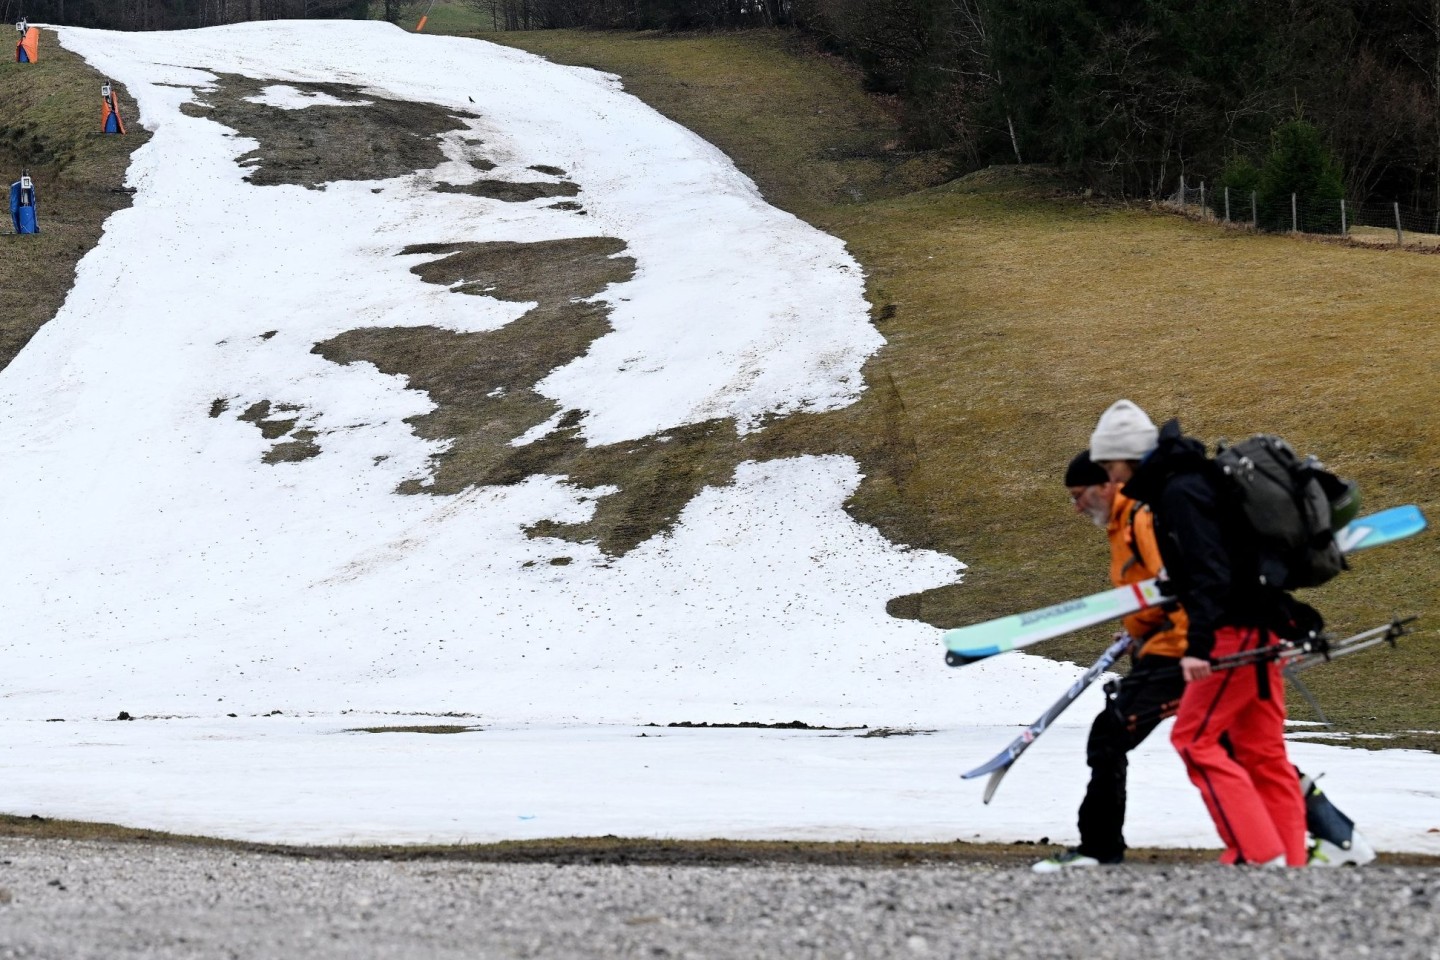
(366, 138)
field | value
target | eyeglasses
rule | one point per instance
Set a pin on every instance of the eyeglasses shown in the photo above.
(1086, 493)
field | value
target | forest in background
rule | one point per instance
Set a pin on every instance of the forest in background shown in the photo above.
(1127, 94)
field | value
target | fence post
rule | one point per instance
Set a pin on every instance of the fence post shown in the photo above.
(1254, 212)
(1227, 206)
(1399, 233)
(1202, 199)
(1182, 193)
(1294, 215)
(1344, 227)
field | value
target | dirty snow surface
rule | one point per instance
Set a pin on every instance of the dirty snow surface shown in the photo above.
(257, 618)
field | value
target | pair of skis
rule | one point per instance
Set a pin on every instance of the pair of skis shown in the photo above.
(980, 641)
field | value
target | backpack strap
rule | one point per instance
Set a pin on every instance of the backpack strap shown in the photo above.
(1135, 557)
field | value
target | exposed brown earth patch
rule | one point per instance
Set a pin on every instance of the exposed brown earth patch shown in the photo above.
(275, 423)
(935, 607)
(628, 850)
(439, 728)
(883, 732)
(483, 383)
(619, 850)
(301, 446)
(484, 388)
(553, 272)
(375, 139)
(511, 192)
(755, 725)
(270, 427)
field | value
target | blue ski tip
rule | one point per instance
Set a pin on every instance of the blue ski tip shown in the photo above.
(1387, 526)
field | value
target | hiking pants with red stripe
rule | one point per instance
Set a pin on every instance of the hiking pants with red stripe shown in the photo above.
(1254, 796)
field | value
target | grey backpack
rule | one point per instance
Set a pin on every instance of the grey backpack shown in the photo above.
(1290, 507)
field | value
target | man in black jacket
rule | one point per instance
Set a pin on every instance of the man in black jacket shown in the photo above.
(1253, 796)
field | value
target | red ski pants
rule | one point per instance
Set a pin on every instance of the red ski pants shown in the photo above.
(1254, 796)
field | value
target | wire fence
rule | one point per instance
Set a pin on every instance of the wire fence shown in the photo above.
(1380, 224)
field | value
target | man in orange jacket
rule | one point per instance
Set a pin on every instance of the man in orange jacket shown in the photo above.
(1143, 699)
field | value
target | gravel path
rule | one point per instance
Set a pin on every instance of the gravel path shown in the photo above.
(74, 900)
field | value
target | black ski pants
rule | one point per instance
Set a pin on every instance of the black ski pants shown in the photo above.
(1145, 697)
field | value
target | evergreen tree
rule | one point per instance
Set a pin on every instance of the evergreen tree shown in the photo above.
(1300, 166)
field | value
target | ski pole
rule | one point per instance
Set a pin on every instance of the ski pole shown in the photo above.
(1295, 655)
(1392, 631)
(426, 16)
(1362, 641)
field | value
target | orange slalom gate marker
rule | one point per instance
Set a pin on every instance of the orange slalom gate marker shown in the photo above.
(28, 49)
(110, 119)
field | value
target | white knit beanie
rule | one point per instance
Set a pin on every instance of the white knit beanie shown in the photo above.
(1123, 433)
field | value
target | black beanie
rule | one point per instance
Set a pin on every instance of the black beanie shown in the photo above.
(1084, 472)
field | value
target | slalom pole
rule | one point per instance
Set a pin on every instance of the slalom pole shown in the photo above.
(426, 16)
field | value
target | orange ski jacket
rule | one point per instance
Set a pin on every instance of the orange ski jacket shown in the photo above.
(1135, 556)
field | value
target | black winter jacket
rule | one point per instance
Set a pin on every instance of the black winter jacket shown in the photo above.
(1209, 569)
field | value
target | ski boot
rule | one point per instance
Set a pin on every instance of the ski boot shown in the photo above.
(1334, 840)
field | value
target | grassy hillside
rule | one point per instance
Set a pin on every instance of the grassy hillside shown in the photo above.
(51, 125)
(1016, 311)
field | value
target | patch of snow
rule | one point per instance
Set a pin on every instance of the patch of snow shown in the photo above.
(286, 97)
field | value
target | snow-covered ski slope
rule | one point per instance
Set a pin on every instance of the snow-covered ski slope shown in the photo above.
(154, 563)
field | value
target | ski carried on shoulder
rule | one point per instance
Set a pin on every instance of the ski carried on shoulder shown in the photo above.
(981, 640)
(999, 765)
